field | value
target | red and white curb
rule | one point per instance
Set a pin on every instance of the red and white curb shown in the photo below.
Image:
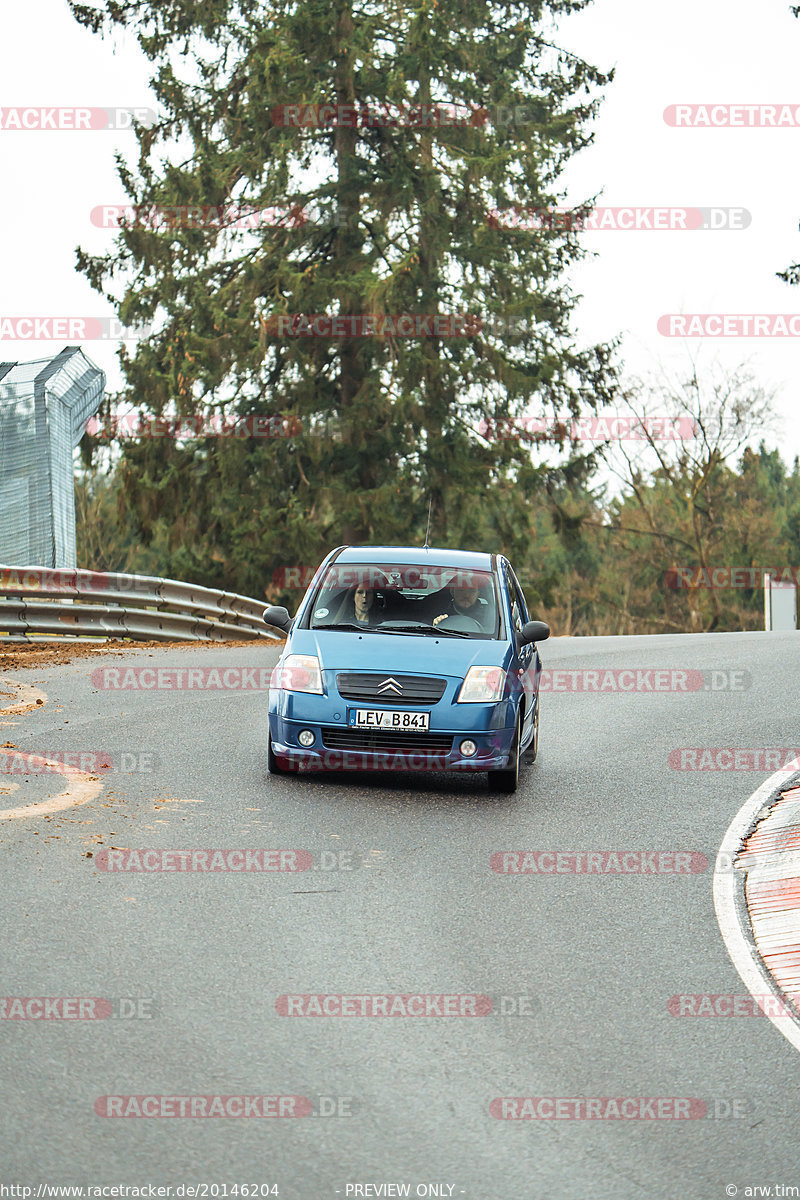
(757, 894)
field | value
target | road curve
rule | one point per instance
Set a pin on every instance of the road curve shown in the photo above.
(402, 899)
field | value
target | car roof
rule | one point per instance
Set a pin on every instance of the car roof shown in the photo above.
(416, 555)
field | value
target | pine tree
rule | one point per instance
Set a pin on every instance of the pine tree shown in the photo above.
(366, 217)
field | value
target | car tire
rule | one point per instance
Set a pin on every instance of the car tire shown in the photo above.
(507, 778)
(533, 749)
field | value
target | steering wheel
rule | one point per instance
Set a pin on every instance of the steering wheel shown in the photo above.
(460, 623)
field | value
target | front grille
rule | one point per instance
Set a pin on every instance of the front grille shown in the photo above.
(382, 740)
(417, 689)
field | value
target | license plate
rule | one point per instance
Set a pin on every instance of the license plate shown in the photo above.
(387, 718)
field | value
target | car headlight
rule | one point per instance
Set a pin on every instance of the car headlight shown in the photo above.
(482, 685)
(298, 673)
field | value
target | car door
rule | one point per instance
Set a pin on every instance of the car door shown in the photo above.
(524, 662)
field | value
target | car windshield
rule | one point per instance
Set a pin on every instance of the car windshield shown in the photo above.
(405, 598)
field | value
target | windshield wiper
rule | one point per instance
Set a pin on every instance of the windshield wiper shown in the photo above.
(347, 625)
(423, 630)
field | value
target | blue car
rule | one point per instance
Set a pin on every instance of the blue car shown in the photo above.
(402, 658)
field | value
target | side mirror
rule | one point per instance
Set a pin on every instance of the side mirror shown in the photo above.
(277, 616)
(534, 631)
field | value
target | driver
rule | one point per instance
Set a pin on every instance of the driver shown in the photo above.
(463, 601)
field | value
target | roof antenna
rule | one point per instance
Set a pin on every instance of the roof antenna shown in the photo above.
(428, 530)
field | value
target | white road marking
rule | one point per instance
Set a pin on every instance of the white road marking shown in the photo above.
(80, 790)
(28, 698)
(742, 950)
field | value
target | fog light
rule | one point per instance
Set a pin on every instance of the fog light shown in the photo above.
(305, 737)
(468, 748)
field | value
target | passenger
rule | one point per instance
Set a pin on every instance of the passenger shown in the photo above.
(359, 608)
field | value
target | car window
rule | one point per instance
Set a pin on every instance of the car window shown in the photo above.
(526, 613)
(519, 609)
(385, 595)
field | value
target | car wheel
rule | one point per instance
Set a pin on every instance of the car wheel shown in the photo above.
(274, 765)
(506, 779)
(533, 749)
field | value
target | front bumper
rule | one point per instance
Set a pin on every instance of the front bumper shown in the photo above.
(324, 759)
(339, 747)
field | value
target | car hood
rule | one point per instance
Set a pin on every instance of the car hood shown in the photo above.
(398, 653)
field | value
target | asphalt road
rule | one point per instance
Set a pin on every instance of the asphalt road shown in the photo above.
(402, 899)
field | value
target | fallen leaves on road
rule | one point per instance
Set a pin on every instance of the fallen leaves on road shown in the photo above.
(37, 654)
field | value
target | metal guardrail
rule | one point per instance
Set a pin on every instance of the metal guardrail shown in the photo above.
(36, 602)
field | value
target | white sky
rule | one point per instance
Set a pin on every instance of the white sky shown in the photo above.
(700, 51)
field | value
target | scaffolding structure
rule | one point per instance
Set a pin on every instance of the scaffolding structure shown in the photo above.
(44, 407)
